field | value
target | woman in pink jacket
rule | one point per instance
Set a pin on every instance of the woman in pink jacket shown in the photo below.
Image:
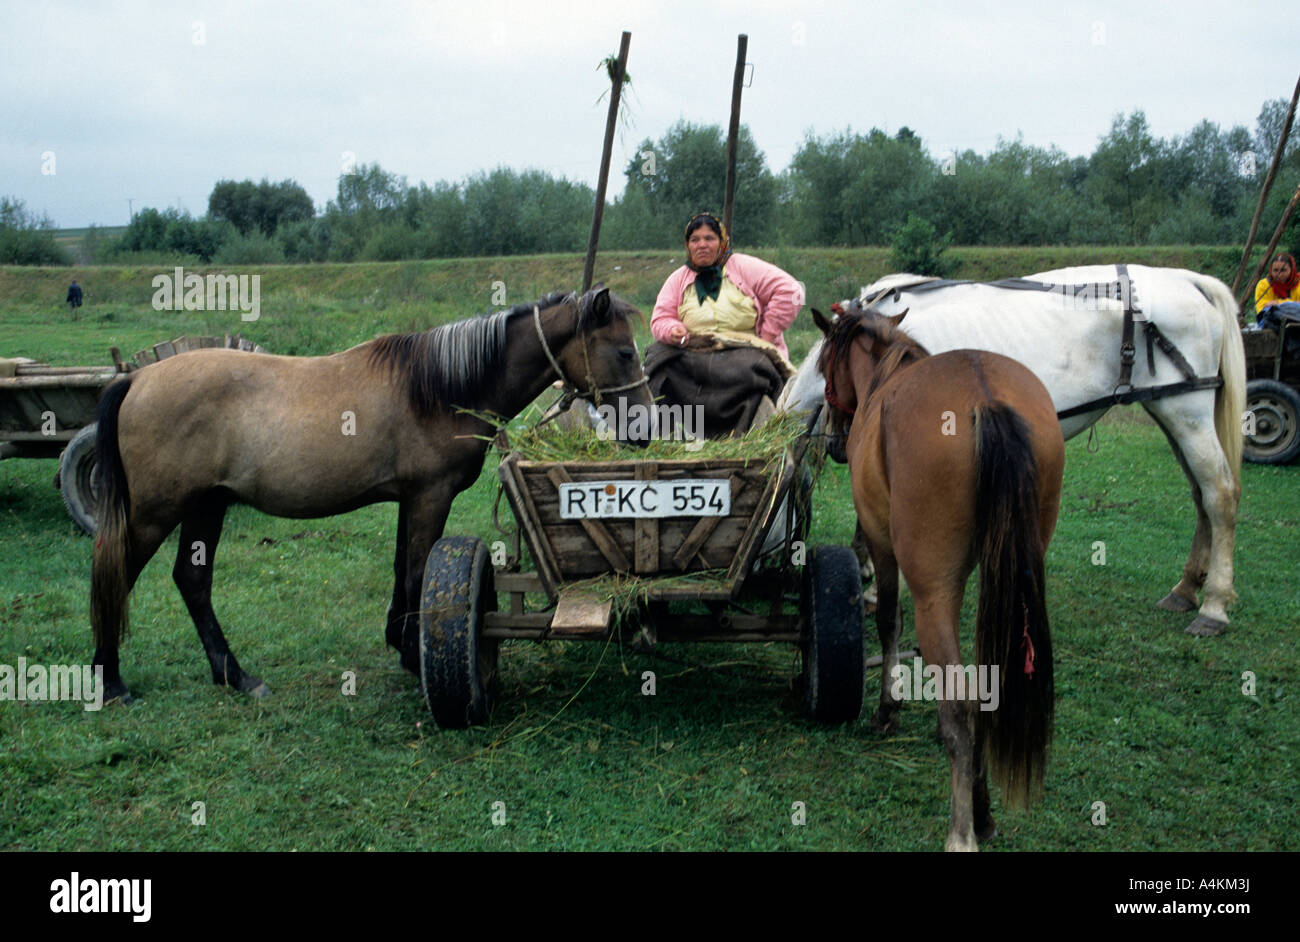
(725, 294)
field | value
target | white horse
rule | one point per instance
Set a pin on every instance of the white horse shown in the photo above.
(1071, 337)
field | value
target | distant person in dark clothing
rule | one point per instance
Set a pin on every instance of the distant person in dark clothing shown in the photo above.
(74, 295)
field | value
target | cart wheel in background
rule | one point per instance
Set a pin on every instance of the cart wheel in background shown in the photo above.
(457, 664)
(77, 479)
(1277, 422)
(833, 664)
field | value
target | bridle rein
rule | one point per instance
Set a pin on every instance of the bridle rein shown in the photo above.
(571, 390)
(836, 353)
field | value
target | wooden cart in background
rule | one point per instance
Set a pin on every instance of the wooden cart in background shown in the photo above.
(49, 412)
(1273, 393)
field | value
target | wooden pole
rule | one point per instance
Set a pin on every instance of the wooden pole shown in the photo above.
(1268, 185)
(733, 131)
(616, 91)
(1268, 252)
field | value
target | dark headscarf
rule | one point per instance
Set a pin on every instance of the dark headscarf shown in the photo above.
(1284, 289)
(708, 280)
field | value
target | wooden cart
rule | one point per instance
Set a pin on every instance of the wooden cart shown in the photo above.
(49, 412)
(1272, 394)
(699, 536)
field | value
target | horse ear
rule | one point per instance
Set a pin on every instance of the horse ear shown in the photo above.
(599, 307)
(822, 323)
(897, 319)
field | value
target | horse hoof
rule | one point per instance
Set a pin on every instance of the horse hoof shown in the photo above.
(260, 692)
(885, 721)
(987, 832)
(1173, 602)
(956, 844)
(124, 698)
(1206, 627)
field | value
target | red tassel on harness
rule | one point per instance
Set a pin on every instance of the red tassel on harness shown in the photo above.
(1028, 647)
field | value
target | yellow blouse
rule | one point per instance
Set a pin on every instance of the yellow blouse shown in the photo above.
(732, 315)
(1264, 295)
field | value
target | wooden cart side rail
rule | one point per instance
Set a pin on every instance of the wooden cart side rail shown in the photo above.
(672, 465)
(739, 628)
(64, 435)
(778, 486)
(526, 514)
(41, 369)
(530, 583)
(77, 379)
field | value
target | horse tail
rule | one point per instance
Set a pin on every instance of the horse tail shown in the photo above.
(109, 590)
(1230, 398)
(1011, 629)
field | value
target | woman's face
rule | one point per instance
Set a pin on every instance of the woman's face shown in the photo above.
(1280, 270)
(704, 246)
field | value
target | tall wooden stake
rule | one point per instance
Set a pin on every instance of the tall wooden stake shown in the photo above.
(615, 93)
(1268, 185)
(733, 131)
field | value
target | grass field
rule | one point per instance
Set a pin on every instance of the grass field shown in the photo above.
(1150, 721)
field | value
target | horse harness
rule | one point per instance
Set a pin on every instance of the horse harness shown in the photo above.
(1124, 393)
(572, 392)
(1121, 289)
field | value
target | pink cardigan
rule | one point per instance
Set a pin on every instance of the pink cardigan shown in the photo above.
(778, 297)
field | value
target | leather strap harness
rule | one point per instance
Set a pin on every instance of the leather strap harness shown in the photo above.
(1124, 393)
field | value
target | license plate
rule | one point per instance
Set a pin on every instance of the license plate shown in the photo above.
(706, 497)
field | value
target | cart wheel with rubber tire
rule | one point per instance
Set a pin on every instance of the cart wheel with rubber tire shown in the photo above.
(457, 664)
(77, 479)
(833, 664)
(1276, 409)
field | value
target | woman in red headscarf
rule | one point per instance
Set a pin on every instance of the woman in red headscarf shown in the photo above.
(1282, 286)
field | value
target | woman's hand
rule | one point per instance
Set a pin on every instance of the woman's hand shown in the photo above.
(677, 334)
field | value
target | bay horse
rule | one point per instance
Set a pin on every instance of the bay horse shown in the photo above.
(183, 439)
(955, 459)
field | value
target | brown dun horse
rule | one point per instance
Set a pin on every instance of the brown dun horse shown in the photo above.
(955, 460)
(183, 439)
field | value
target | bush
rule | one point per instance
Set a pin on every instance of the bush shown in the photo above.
(305, 240)
(251, 249)
(917, 248)
(394, 242)
(27, 240)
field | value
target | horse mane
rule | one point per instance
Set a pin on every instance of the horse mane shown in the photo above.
(450, 365)
(895, 282)
(884, 332)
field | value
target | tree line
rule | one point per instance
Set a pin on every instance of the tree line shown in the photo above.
(841, 189)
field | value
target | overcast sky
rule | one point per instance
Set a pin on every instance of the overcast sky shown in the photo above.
(155, 102)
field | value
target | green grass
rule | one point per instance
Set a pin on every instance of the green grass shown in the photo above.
(1149, 720)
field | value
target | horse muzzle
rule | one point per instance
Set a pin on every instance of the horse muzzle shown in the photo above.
(837, 447)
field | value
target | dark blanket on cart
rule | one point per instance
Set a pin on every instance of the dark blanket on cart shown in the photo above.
(730, 380)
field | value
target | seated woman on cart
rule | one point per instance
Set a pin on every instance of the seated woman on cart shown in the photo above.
(1278, 295)
(720, 322)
